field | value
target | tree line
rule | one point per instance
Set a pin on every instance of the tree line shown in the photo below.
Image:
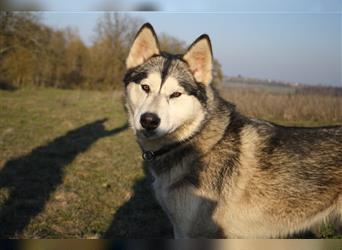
(34, 54)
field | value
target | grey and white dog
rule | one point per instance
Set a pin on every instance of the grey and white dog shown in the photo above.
(216, 172)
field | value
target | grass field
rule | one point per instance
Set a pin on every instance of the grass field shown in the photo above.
(70, 168)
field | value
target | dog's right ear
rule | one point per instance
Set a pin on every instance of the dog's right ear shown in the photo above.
(199, 57)
(145, 45)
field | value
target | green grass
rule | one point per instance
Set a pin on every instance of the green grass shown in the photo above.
(94, 175)
(70, 168)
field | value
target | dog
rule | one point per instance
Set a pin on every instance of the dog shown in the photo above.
(218, 173)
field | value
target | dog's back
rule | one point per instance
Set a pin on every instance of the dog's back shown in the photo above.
(288, 179)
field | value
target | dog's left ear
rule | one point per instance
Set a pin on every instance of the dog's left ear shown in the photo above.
(200, 59)
(145, 45)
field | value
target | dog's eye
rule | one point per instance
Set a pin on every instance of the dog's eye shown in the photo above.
(175, 94)
(145, 88)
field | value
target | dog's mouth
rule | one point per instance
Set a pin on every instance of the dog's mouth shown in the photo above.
(146, 134)
(150, 135)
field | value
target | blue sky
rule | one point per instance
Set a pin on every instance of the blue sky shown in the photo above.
(291, 47)
(299, 43)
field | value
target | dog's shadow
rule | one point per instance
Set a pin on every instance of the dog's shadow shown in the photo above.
(32, 178)
(141, 216)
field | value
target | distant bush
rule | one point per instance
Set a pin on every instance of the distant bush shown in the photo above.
(7, 86)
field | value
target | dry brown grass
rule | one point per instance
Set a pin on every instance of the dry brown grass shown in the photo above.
(288, 107)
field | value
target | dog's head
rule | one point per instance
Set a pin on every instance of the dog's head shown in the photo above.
(166, 94)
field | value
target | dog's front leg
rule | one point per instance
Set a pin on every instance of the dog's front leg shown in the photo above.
(177, 234)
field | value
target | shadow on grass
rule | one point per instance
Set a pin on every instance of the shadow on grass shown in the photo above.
(32, 178)
(141, 216)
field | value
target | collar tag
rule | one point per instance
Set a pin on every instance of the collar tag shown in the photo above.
(148, 156)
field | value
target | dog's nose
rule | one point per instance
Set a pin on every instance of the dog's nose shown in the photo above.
(149, 121)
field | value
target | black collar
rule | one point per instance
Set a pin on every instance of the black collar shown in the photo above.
(152, 155)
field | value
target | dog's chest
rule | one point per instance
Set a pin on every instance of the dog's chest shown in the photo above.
(169, 189)
(181, 204)
(178, 199)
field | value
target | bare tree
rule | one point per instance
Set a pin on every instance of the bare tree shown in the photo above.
(114, 34)
(171, 44)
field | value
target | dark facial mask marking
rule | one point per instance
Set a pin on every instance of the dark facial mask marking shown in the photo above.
(134, 76)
